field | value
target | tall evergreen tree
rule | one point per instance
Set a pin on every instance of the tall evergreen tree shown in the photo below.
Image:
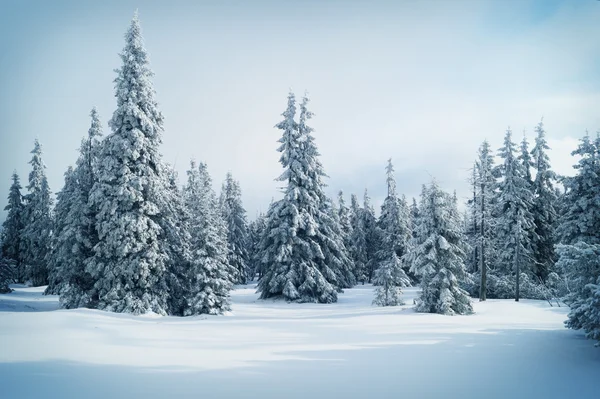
(394, 219)
(256, 229)
(417, 238)
(345, 221)
(358, 238)
(544, 207)
(215, 228)
(234, 215)
(515, 224)
(63, 237)
(471, 228)
(414, 216)
(7, 274)
(372, 235)
(336, 258)
(210, 274)
(75, 233)
(484, 205)
(579, 232)
(439, 256)
(176, 242)
(129, 265)
(526, 164)
(581, 264)
(12, 228)
(405, 212)
(302, 261)
(526, 160)
(37, 229)
(395, 236)
(580, 220)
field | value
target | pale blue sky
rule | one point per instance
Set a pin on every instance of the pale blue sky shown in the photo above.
(423, 82)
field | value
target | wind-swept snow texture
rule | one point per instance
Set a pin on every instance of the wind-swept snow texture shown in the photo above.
(273, 349)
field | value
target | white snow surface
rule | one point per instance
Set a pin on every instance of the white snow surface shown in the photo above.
(273, 349)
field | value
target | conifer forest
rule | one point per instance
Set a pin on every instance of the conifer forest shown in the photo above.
(135, 280)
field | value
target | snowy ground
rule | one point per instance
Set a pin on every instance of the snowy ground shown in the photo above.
(267, 349)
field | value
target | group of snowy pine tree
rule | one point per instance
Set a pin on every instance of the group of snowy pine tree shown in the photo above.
(531, 239)
(125, 237)
(512, 220)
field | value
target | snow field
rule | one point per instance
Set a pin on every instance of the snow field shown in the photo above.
(264, 349)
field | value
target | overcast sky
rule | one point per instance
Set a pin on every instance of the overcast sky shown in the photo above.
(422, 82)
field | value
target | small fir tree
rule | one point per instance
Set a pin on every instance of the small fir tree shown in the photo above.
(12, 228)
(439, 257)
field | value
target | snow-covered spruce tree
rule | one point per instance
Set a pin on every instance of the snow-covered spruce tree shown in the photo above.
(417, 238)
(581, 264)
(395, 234)
(128, 265)
(336, 258)
(485, 183)
(345, 221)
(234, 215)
(580, 220)
(471, 227)
(256, 228)
(358, 239)
(393, 222)
(526, 164)
(12, 228)
(405, 213)
(372, 235)
(293, 247)
(579, 233)
(414, 216)
(176, 245)
(62, 236)
(75, 233)
(7, 274)
(592, 322)
(210, 274)
(514, 230)
(390, 278)
(544, 207)
(526, 160)
(37, 230)
(215, 218)
(439, 257)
